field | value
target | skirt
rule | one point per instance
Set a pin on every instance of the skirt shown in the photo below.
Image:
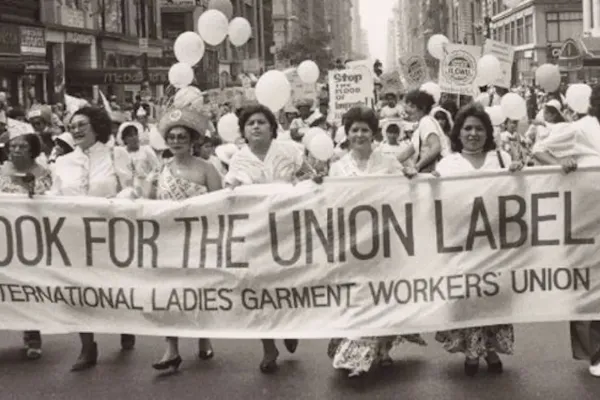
(476, 342)
(585, 340)
(362, 353)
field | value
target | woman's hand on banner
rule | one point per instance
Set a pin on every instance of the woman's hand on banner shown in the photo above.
(516, 166)
(410, 172)
(435, 173)
(569, 165)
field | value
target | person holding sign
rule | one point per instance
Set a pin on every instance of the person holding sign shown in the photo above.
(358, 355)
(22, 174)
(180, 178)
(94, 170)
(266, 160)
(474, 149)
(428, 140)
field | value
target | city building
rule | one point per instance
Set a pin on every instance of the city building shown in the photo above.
(537, 29)
(579, 56)
(24, 70)
(294, 19)
(357, 33)
(365, 51)
(340, 23)
(391, 56)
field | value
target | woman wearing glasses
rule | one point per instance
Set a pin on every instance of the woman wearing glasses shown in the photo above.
(93, 170)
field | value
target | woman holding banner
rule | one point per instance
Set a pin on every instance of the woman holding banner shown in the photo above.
(22, 174)
(93, 170)
(360, 123)
(474, 149)
(266, 160)
(180, 178)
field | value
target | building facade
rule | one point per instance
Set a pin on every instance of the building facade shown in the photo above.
(537, 29)
(24, 69)
(340, 23)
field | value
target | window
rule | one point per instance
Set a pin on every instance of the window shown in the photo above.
(113, 17)
(563, 26)
(513, 33)
(500, 36)
(507, 35)
(520, 33)
(529, 29)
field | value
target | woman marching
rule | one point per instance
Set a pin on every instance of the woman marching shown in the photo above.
(266, 160)
(358, 355)
(181, 177)
(22, 174)
(474, 149)
(92, 170)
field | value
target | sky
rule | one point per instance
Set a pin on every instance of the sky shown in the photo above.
(374, 20)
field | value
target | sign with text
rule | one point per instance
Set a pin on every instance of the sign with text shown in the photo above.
(352, 257)
(116, 76)
(349, 88)
(10, 39)
(458, 69)
(505, 53)
(300, 90)
(33, 41)
(414, 70)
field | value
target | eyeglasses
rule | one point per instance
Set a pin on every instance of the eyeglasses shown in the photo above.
(178, 138)
(78, 127)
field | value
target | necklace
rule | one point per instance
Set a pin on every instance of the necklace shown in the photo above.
(472, 153)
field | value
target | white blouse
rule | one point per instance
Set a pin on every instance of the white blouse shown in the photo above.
(95, 172)
(455, 163)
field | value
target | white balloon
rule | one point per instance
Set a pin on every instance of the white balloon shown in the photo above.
(483, 99)
(488, 69)
(513, 106)
(228, 128)
(181, 75)
(213, 27)
(433, 89)
(436, 44)
(308, 72)
(310, 134)
(496, 115)
(321, 147)
(273, 90)
(240, 31)
(189, 48)
(578, 97)
(224, 6)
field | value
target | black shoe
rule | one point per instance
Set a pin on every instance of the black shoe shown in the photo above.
(127, 342)
(173, 363)
(495, 367)
(291, 345)
(87, 359)
(206, 354)
(268, 366)
(471, 369)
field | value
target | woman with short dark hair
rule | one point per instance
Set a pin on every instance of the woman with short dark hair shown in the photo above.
(93, 170)
(266, 160)
(22, 174)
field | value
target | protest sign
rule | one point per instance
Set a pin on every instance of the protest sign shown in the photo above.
(391, 83)
(349, 88)
(458, 69)
(414, 70)
(352, 257)
(300, 90)
(505, 53)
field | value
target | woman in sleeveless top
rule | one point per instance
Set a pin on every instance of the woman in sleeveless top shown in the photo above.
(181, 177)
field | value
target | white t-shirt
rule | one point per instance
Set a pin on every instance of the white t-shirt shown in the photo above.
(427, 126)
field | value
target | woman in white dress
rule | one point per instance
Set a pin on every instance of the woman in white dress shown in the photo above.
(429, 143)
(180, 178)
(474, 149)
(358, 355)
(93, 170)
(266, 160)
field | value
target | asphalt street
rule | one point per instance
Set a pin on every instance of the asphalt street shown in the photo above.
(542, 368)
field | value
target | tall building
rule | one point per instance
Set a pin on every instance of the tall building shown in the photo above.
(365, 50)
(391, 46)
(357, 31)
(339, 20)
(537, 29)
(294, 19)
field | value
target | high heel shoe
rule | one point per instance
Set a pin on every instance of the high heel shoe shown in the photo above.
(291, 345)
(87, 359)
(173, 363)
(269, 365)
(494, 367)
(206, 354)
(471, 368)
(127, 342)
(33, 353)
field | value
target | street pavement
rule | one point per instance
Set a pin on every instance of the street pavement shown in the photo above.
(542, 368)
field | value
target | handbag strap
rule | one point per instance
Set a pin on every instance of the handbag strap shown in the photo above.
(500, 160)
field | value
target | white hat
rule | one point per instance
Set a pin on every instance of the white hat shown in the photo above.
(141, 112)
(66, 138)
(119, 138)
(554, 104)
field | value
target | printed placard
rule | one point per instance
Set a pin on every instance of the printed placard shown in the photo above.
(349, 88)
(458, 69)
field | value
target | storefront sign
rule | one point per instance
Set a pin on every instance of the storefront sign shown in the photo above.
(118, 76)
(10, 40)
(71, 17)
(79, 38)
(33, 41)
(37, 68)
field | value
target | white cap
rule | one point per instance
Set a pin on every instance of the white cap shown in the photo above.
(554, 104)
(141, 112)
(66, 138)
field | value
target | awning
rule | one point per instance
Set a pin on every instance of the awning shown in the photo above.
(577, 53)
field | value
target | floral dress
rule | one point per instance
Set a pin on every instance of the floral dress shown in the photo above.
(170, 187)
(360, 354)
(477, 341)
(43, 183)
(517, 146)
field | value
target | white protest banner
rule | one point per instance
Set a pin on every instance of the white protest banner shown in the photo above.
(505, 53)
(458, 69)
(300, 90)
(414, 70)
(349, 88)
(352, 257)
